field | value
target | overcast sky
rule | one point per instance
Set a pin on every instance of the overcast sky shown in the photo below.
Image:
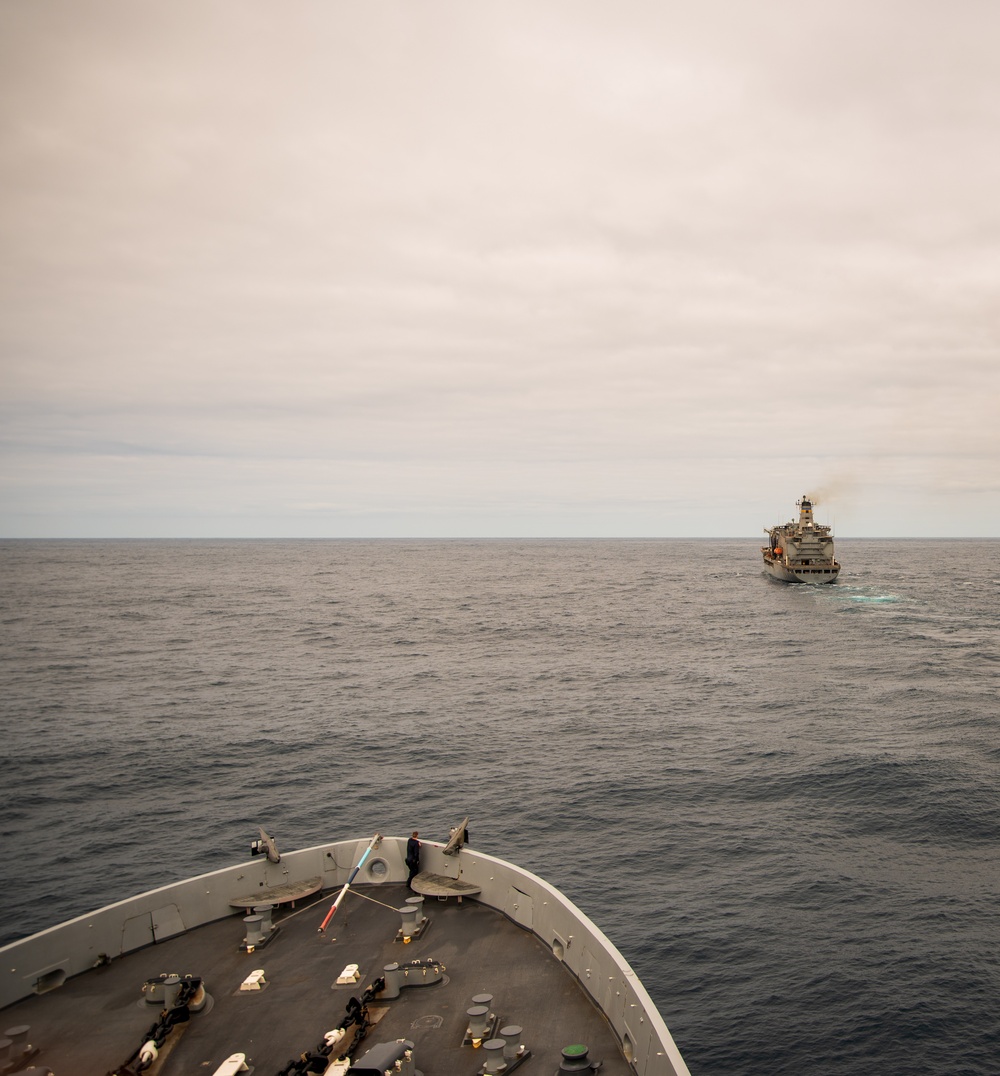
(411, 267)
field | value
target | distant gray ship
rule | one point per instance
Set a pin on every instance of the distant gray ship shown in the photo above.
(801, 552)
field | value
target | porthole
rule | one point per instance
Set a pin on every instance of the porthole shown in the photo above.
(378, 870)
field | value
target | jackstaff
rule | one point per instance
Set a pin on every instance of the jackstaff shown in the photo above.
(375, 842)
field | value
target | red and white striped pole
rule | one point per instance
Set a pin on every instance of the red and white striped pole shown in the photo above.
(375, 842)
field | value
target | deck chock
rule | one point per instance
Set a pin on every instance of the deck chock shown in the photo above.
(17, 1051)
(260, 929)
(415, 923)
(181, 998)
(247, 946)
(415, 973)
(337, 1045)
(500, 1067)
(482, 1022)
(168, 990)
(514, 1051)
(253, 982)
(350, 974)
(385, 1057)
(419, 932)
(376, 1012)
(502, 1056)
(234, 1065)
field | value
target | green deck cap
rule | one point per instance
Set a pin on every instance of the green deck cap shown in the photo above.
(576, 1050)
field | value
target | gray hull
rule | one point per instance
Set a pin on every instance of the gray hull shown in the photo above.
(804, 574)
(556, 978)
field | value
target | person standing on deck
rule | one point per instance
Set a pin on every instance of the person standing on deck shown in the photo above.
(413, 857)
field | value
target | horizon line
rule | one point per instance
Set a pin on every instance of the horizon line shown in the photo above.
(473, 538)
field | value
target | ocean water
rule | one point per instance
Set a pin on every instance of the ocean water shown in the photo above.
(782, 803)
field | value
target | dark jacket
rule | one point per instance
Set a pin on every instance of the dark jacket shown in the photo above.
(413, 853)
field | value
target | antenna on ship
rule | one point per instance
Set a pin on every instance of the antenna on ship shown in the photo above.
(457, 836)
(265, 846)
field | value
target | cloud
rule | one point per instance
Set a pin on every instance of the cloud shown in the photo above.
(453, 266)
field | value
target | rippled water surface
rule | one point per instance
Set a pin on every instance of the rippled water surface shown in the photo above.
(782, 803)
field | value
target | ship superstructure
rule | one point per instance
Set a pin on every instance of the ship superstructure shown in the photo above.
(801, 552)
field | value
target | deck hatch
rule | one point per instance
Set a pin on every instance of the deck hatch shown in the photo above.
(137, 932)
(520, 907)
(167, 922)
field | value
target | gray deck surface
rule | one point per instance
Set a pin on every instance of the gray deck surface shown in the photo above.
(94, 1022)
